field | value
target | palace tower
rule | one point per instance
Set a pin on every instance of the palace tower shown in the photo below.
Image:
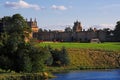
(77, 27)
(33, 25)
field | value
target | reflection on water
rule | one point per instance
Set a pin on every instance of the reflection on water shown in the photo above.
(89, 75)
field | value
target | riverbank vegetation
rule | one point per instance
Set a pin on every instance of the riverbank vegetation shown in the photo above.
(12, 75)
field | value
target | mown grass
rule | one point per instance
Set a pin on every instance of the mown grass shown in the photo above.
(115, 46)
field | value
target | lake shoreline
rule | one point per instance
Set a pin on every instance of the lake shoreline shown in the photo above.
(66, 69)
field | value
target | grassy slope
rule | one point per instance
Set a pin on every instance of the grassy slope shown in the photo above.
(82, 59)
(90, 58)
(105, 46)
(89, 55)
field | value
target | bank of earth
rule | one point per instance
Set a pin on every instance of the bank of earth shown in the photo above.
(83, 59)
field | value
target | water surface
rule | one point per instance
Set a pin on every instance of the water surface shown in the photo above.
(89, 75)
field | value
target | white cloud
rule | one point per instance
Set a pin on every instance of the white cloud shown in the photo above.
(59, 7)
(21, 4)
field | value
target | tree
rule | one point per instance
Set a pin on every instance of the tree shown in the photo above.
(5, 62)
(60, 57)
(56, 57)
(40, 30)
(13, 34)
(68, 29)
(16, 25)
(117, 31)
(39, 58)
(64, 57)
(15, 53)
(49, 61)
(90, 29)
(22, 60)
(12, 44)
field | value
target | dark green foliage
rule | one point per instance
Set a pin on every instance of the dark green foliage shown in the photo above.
(23, 60)
(39, 57)
(5, 62)
(64, 56)
(56, 57)
(15, 24)
(117, 31)
(49, 61)
(10, 40)
(26, 58)
(15, 53)
(60, 57)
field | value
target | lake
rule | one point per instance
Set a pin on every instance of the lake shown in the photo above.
(89, 75)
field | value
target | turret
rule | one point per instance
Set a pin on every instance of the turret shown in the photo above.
(77, 26)
(33, 25)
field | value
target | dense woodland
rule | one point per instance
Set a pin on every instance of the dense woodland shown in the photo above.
(20, 56)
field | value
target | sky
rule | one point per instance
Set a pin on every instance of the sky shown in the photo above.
(58, 14)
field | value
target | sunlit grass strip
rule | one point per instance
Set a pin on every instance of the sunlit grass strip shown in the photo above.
(106, 46)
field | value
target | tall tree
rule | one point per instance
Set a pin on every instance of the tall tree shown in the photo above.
(16, 25)
(15, 53)
(12, 37)
(117, 31)
(64, 57)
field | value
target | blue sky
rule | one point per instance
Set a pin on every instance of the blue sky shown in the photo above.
(56, 14)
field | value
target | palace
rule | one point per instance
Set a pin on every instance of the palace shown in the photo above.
(77, 34)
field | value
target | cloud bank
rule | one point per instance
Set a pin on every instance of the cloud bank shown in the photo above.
(21, 4)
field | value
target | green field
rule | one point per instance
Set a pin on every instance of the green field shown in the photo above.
(115, 46)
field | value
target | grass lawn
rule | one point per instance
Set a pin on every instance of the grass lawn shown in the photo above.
(115, 46)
